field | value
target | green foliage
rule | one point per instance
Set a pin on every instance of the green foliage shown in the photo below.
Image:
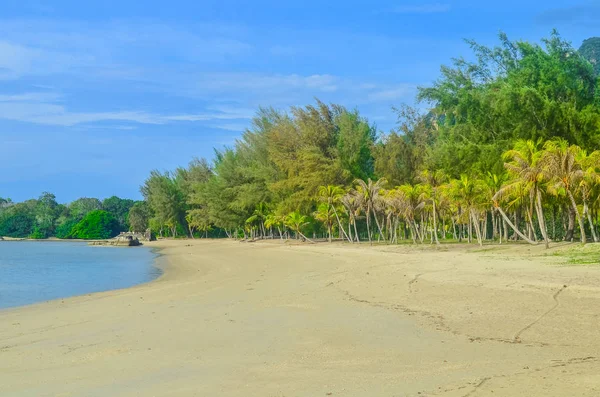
(96, 225)
(79, 208)
(16, 224)
(590, 50)
(38, 234)
(138, 216)
(119, 209)
(166, 200)
(507, 149)
(517, 90)
(63, 231)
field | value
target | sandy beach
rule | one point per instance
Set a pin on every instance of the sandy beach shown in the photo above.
(276, 319)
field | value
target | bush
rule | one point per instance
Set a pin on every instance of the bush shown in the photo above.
(16, 225)
(64, 229)
(37, 234)
(96, 225)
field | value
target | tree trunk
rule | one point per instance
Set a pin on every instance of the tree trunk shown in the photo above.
(541, 220)
(377, 221)
(454, 229)
(416, 227)
(413, 229)
(445, 237)
(340, 223)
(586, 212)
(516, 230)
(435, 224)
(350, 230)
(470, 230)
(476, 225)
(554, 222)
(369, 225)
(571, 223)
(356, 232)
(579, 219)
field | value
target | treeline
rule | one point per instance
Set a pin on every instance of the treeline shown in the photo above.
(506, 151)
(85, 218)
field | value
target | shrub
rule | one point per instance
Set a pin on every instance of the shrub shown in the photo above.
(64, 229)
(96, 225)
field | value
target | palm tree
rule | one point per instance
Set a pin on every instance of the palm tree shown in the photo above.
(353, 203)
(396, 204)
(493, 183)
(277, 221)
(296, 221)
(526, 175)
(259, 216)
(591, 176)
(327, 216)
(434, 180)
(332, 195)
(470, 193)
(564, 173)
(411, 195)
(370, 195)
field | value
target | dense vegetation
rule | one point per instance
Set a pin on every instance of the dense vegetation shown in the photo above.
(507, 150)
(590, 50)
(96, 225)
(45, 217)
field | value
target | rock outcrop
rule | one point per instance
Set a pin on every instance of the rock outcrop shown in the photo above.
(125, 239)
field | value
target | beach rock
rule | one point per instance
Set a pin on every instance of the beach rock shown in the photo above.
(122, 240)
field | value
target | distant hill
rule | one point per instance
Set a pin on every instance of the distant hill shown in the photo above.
(590, 49)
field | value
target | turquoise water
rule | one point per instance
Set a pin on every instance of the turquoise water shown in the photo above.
(33, 272)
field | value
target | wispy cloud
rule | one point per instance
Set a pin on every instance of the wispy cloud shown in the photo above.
(30, 96)
(125, 71)
(392, 94)
(432, 8)
(582, 14)
(59, 115)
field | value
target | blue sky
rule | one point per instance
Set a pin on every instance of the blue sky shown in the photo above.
(95, 94)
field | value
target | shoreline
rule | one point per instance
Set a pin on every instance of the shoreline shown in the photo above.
(234, 319)
(158, 263)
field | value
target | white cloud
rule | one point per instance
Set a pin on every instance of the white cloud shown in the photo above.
(392, 93)
(265, 82)
(432, 8)
(18, 108)
(30, 96)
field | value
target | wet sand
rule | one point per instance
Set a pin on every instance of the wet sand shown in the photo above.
(277, 319)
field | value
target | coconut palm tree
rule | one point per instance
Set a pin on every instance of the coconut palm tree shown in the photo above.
(411, 196)
(296, 221)
(434, 180)
(259, 216)
(590, 165)
(331, 195)
(564, 173)
(396, 207)
(325, 214)
(493, 183)
(353, 204)
(277, 221)
(370, 196)
(470, 192)
(526, 175)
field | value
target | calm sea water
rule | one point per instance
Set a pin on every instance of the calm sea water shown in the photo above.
(38, 271)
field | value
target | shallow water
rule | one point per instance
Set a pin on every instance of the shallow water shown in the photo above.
(33, 272)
